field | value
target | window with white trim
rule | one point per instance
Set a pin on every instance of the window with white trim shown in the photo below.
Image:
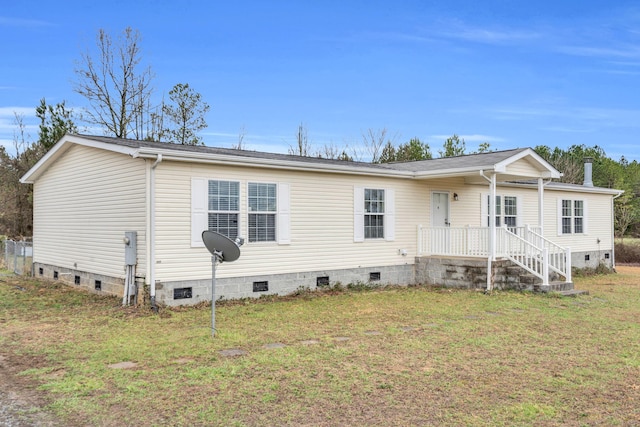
(373, 213)
(263, 206)
(572, 216)
(215, 205)
(224, 207)
(507, 211)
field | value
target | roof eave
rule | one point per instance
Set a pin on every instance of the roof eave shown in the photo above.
(61, 147)
(347, 168)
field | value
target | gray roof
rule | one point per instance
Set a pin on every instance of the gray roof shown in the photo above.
(131, 143)
(458, 162)
(485, 160)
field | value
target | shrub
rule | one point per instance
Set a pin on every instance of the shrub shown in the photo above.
(627, 254)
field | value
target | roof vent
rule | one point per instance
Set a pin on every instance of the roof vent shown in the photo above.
(588, 172)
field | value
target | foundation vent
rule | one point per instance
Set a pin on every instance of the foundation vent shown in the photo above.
(183, 293)
(322, 281)
(261, 286)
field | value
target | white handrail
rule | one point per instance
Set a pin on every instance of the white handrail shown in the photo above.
(525, 246)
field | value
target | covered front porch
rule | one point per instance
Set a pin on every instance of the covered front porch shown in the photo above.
(539, 263)
(494, 197)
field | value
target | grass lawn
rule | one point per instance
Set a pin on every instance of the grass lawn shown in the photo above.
(408, 356)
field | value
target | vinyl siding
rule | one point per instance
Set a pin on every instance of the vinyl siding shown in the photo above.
(523, 167)
(468, 211)
(83, 204)
(321, 223)
(598, 221)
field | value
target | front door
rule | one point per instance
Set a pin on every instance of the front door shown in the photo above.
(440, 233)
(440, 209)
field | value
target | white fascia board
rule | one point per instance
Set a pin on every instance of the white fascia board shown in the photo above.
(558, 186)
(207, 158)
(61, 147)
(452, 172)
(549, 171)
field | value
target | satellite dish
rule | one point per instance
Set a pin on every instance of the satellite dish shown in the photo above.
(221, 246)
(222, 249)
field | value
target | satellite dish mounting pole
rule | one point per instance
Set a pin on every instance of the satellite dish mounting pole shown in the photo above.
(214, 260)
(222, 249)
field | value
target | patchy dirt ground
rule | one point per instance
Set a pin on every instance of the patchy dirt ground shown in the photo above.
(21, 404)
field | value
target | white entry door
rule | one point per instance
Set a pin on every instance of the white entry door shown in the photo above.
(440, 209)
(440, 233)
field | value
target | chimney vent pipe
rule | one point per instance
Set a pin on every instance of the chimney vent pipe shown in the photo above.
(588, 172)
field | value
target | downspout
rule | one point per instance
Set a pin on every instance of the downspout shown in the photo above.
(152, 233)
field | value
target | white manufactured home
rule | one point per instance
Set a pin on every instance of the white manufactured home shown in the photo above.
(307, 222)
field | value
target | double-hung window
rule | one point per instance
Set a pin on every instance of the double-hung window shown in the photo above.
(572, 214)
(224, 207)
(506, 211)
(373, 213)
(263, 206)
(259, 212)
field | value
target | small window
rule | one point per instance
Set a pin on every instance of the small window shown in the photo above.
(260, 286)
(587, 257)
(572, 212)
(578, 216)
(506, 211)
(322, 281)
(510, 211)
(183, 293)
(374, 213)
(262, 202)
(40, 271)
(98, 285)
(55, 275)
(374, 276)
(224, 207)
(76, 280)
(606, 255)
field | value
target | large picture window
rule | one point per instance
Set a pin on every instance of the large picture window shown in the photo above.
(263, 206)
(224, 207)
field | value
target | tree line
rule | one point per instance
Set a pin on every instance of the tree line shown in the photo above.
(118, 90)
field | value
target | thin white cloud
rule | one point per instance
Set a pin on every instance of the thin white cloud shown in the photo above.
(491, 36)
(9, 111)
(471, 138)
(6, 21)
(624, 51)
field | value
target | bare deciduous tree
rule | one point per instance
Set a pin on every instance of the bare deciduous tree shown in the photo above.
(117, 89)
(375, 140)
(240, 145)
(303, 146)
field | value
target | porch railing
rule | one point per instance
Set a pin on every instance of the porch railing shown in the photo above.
(524, 246)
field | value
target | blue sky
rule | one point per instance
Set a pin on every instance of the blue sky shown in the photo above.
(513, 74)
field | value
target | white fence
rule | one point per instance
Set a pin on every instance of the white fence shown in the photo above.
(18, 256)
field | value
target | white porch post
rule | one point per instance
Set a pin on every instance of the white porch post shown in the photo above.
(492, 231)
(492, 218)
(540, 206)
